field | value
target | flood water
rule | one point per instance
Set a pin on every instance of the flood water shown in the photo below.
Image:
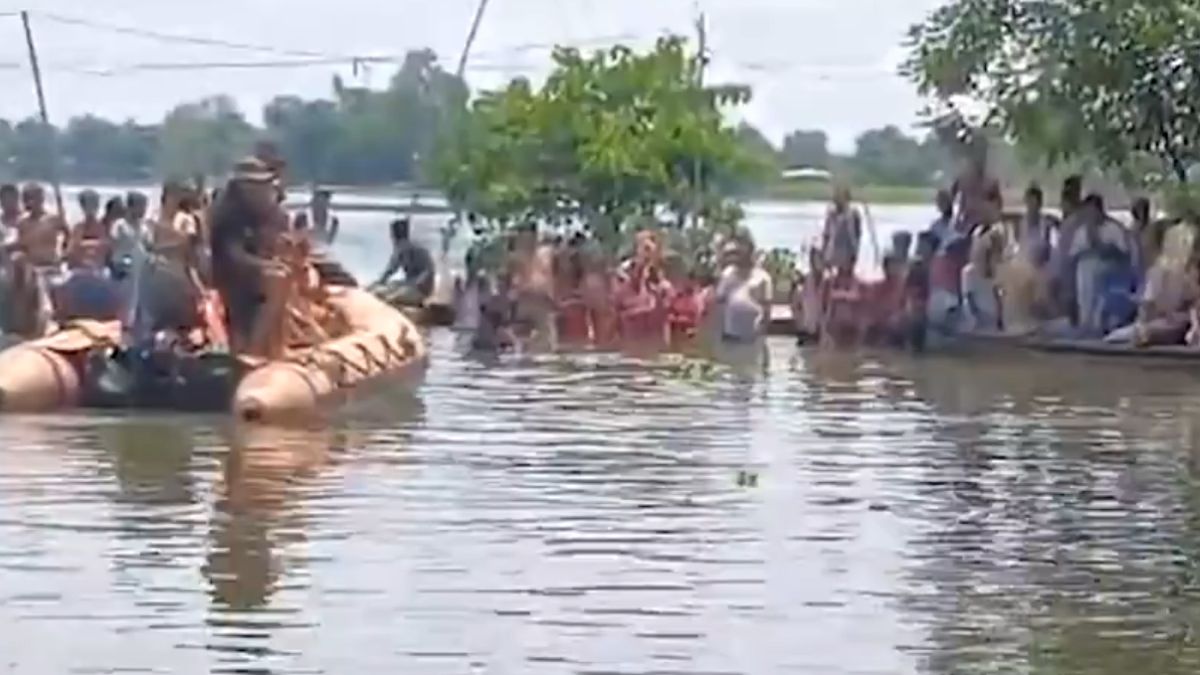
(798, 513)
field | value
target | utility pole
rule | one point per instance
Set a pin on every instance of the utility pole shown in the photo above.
(697, 168)
(466, 52)
(41, 96)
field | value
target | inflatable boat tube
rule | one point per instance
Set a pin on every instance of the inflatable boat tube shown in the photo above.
(44, 375)
(383, 344)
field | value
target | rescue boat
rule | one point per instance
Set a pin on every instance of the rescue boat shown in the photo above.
(46, 374)
(382, 345)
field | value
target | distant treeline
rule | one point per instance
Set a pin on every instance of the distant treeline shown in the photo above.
(360, 136)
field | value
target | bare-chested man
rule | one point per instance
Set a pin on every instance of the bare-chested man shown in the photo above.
(40, 234)
(973, 188)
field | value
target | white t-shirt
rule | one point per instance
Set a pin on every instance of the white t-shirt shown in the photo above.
(979, 296)
(741, 300)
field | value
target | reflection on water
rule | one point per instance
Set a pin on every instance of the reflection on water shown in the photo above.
(592, 513)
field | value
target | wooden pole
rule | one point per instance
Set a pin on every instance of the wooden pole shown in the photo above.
(697, 169)
(466, 52)
(41, 96)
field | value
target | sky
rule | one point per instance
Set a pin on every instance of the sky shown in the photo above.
(813, 64)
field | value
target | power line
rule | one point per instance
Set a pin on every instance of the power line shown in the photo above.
(177, 38)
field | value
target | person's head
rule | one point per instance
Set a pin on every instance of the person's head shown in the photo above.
(1141, 211)
(648, 248)
(114, 210)
(1072, 193)
(1034, 199)
(89, 203)
(401, 229)
(927, 245)
(320, 200)
(740, 249)
(33, 198)
(945, 203)
(136, 205)
(10, 198)
(841, 196)
(301, 222)
(255, 183)
(902, 244)
(1093, 208)
(173, 195)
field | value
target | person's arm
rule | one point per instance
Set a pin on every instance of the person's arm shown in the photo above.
(334, 224)
(427, 273)
(393, 266)
(767, 291)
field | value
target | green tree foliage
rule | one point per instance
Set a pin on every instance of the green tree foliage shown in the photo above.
(806, 149)
(613, 138)
(888, 156)
(203, 138)
(1115, 79)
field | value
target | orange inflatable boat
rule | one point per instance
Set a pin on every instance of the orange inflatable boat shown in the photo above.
(45, 374)
(382, 345)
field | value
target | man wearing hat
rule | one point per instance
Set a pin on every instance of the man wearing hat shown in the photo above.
(247, 219)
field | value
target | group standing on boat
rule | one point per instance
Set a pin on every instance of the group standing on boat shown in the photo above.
(200, 270)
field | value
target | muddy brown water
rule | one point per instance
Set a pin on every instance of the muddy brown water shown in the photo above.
(793, 511)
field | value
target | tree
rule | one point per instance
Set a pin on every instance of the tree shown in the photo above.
(93, 149)
(612, 138)
(33, 147)
(1113, 79)
(889, 157)
(307, 133)
(806, 149)
(206, 137)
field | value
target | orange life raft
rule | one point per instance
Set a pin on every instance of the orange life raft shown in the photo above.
(382, 345)
(44, 375)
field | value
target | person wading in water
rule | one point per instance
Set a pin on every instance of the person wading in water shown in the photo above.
(843, 232)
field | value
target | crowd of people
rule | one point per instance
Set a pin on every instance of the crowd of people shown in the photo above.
(200, 270)
(1080, 275)
(569, 291)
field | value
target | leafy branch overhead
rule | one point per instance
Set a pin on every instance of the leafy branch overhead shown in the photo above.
(611, 136)
(1112, 79)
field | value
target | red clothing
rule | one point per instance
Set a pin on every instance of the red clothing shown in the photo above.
(574, 322)
(886, 302)
(685, 312)
(844, 300)
(642, 307)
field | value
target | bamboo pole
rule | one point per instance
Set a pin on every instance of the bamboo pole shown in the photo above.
(41, 96)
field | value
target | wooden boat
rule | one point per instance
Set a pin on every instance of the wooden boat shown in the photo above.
(382, 345)
(1099, 348)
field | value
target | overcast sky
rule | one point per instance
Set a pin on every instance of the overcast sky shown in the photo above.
(827, 64)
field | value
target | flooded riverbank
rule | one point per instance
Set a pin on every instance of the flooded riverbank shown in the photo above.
(602, 514)
(597, 513)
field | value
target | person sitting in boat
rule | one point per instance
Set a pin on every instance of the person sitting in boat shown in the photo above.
(980, 290)
(1168, 296)
(417, 264)
(945, 311)
(943, 225)
(1148, 235)
(1062, 265)
(246, 222)
(916, 291)
(884, 305)
(88, 292)
(1094, 248)
(170, 289)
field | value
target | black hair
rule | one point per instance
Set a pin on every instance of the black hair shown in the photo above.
(1034, 190)
(927, 240)
(1094, 200)
(114, 208)
(401, 228)
(133, 197)
(10, 190)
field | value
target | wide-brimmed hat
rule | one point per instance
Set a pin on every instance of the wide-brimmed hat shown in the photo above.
(253, 170)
